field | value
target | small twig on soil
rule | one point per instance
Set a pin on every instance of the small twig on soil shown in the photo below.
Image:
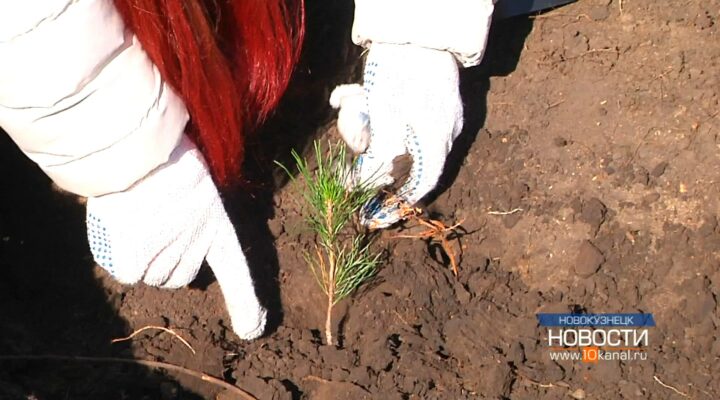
(669, 387)
(401, 318)
(544, 385)
(553, 105)
(144, 328)
(620, 3)
(513, 211)
(146, 363)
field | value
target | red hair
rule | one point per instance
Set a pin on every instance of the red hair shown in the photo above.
(230, 61)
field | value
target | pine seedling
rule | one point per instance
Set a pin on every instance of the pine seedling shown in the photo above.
(342, 260)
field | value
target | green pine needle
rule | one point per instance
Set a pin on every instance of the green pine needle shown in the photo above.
(341, 262)
(354, 267)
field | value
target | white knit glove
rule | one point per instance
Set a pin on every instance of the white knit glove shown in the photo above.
(409, 103)
(161, 229)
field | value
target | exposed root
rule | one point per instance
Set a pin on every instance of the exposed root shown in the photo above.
(513, 211)
(543, 385)
(437, 231)
(663, 384)
(144, 328)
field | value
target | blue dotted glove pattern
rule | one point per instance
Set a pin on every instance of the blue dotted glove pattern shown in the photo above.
(377, 211)
(100, 243)
(368, 84)
(409, 189)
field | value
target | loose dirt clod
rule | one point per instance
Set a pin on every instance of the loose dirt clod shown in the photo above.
(589, 260)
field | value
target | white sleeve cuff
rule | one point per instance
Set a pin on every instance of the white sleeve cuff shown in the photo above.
(458, 26)
(81, 98)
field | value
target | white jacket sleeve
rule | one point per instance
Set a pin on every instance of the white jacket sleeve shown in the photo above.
(458, 26)
(80, 96)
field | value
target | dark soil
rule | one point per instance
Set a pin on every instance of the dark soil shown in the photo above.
(587, 179)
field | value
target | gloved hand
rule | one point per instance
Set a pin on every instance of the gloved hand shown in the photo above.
(409, 103)
(159, 231)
